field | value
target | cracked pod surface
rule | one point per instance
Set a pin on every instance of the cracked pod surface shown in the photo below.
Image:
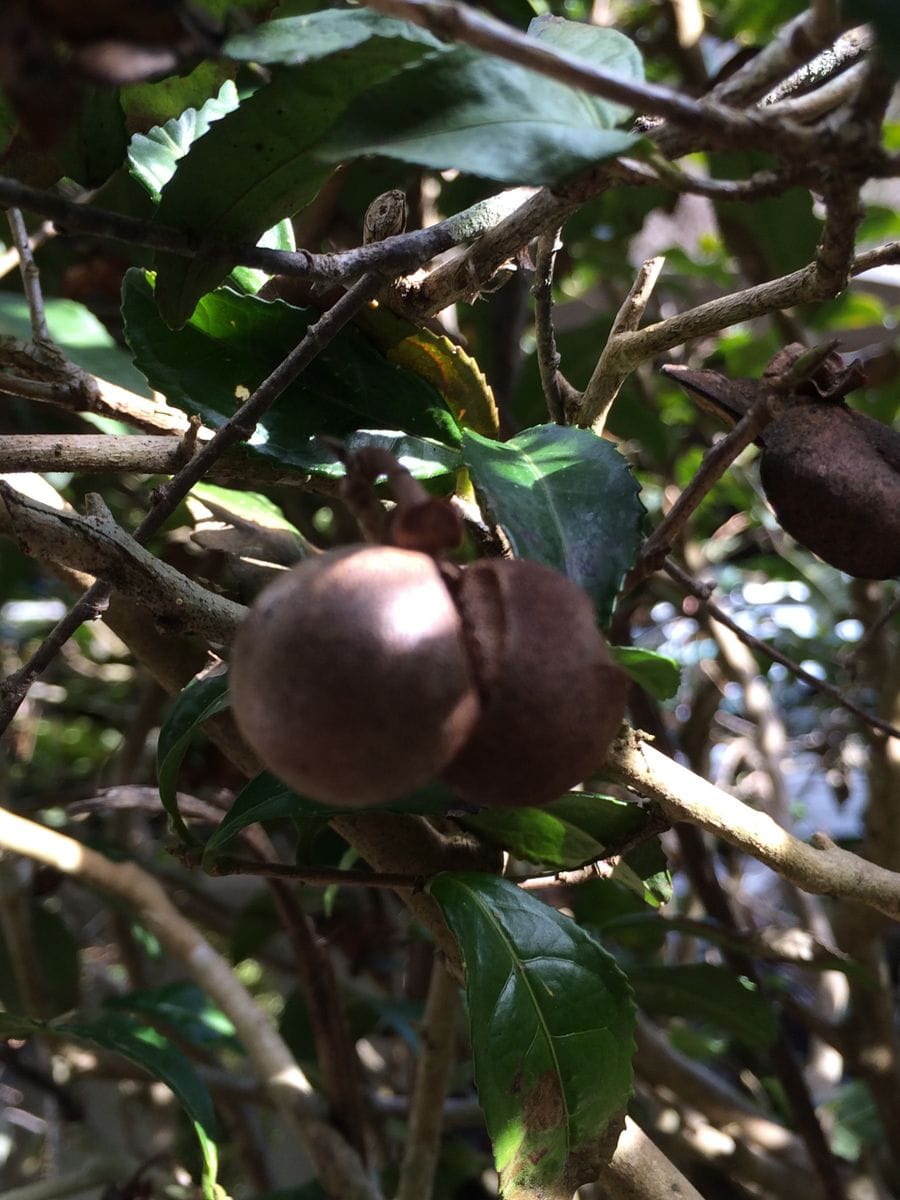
(832, 476)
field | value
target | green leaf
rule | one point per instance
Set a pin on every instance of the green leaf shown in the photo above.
(567, 833)
(598, 45)
(470, 111)
(703, 992)
(254, 166)
(657, 673)
(778, 233)
(551, 1020)
(153, 156)
(564, 497)
(201, 699)
(279, 237)
(264, 798)
(148, 1050)
(309, 36)
(233, 342)
(77, 331)
(183, 1007)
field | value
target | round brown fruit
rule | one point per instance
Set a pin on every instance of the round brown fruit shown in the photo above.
(553, 698)
(349, 676)
(832, 475)
(365, 672)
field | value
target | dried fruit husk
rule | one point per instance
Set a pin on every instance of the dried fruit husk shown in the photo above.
(350, 678)
(552, 696)
(832, 475)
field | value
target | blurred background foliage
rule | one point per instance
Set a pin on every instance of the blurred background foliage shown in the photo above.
(92, 720)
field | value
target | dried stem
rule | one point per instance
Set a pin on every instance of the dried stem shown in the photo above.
(605, 382)
(426, 1114)
(31, 279)
(703, 591)
(715, 463)
(821, 867)
(558, 392)
(142, 455)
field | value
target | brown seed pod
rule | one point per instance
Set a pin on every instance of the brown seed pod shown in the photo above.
(832, 475)
(364, 672)
(552, 696)
(349, 676)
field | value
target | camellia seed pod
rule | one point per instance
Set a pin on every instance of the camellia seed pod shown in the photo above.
(830, 472)
(365, 672)
(832, 475)
(349, 676)
(553, 698)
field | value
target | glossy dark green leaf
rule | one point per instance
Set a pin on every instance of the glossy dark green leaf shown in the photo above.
(201, 699)
(645, 870)
(598, 45)
(184, 1008)
(703, 992)
(149, 1050)
(564, 497)
(657, 673)
(154, 155)
(292, 40)
(567, 833)
(254, 166)
(266, 798)
(77, 331)
(233, 342)
(470, 111)
(551, 1021)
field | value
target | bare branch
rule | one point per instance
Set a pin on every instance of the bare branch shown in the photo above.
(97, 545)
(143, 455)
(605, 382)
(822, 867)
(558, 392)
(703, 592)
(337, 1164)
(31, 279)
(715, 463)
(426, 1113)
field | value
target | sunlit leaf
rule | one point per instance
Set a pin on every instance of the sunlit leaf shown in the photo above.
(551, 1020)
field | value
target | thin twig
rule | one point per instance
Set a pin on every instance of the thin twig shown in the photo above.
(31, 278)
(715, 463)
(238, 428)
(142, 455)
(426, 1113)
(317, 876)
(558, 392)
(605, 382)
(393, 256)
(703, 591)
(9, 259)
(337, 1165)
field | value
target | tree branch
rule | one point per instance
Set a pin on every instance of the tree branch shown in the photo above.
(97, 545)
(822, 867)
(426, 1113)
(338, 1166)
